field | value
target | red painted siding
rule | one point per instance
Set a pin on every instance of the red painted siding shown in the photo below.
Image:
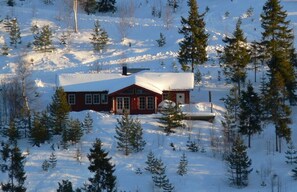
(135, 94)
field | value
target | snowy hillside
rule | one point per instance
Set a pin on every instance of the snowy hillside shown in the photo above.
(206, 171)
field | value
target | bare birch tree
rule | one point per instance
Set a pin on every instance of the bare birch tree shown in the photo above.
(75, 5)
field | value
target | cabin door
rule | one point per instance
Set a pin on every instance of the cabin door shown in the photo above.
(180, 98)
(123, 105)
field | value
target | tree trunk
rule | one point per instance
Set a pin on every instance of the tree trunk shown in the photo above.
(75, 15)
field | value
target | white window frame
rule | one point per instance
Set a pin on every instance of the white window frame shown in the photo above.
(150, 106)
(96, 102)
(71, 99)
(104, 98)
(88, 96)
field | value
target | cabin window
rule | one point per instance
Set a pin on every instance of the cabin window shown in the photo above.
(142, 103)
(140, 91)
(128, 92)
(146, 103)
(104, 98)
(71, 99)
(96, 99)
(150, 102)
(88, 99)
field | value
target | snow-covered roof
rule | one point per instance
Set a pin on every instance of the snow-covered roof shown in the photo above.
(112, 82)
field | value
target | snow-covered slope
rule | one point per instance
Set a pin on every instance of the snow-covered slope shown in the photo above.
(207, 171)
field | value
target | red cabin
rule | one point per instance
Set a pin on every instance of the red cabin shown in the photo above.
(138, 93)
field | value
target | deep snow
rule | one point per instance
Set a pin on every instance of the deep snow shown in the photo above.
(207, 171)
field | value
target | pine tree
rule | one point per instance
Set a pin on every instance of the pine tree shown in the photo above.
(39, 132)
(7, 23)
(15, 34)
(182, 166)
(238, 164)
(99, 37)
(45, 165)
(294, 173)
(136, 140)
(171, 118)
(236, 56)
(124, 133)
(150, 162)
(106, 6)
(279, 112)
(74, 131)
(43, 39)
(250, 113)
(174, 4)
(291, 154)
(15, 168)
(12, 133)
(90, 6)
(231, 116)
(88, 123)
(193, 47)
(257, 56)
(100, 165)
(11, 3)
(162, 40)
(59, 111)
(278, 38)
(5, 49)
(65, 186)
(52, 160)
(160, 178)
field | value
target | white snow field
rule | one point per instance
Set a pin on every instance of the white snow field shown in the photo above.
(206, 171)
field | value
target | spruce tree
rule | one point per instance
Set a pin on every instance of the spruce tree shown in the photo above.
(15, 33)
(99, 37)
(193, 47)
(182, 166)
(162, 40)
(278, 38)
(150, 162)
(291, 154)
(14, 166)
(160, 178)
(238, 164)
(52, 160)
(236, 56)
(65, 186)
(88, 123)
(250, 113)
(103, 170)
(106, 5)
(59, 111)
